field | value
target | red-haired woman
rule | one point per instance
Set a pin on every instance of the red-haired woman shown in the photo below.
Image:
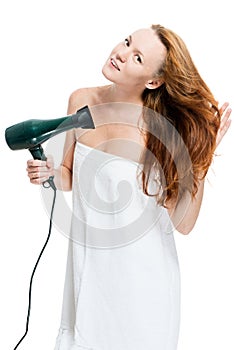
(136, 177)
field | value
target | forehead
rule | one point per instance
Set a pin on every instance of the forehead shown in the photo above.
(147, 41)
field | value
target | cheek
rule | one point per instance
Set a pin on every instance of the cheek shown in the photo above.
(149, 71)
(139, 73)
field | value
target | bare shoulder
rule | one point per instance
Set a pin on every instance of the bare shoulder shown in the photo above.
(78, 99)
(85, 96)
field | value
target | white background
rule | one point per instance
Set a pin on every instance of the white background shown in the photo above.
(50, 48)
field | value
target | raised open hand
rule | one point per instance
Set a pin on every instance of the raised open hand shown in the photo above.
(225, 112)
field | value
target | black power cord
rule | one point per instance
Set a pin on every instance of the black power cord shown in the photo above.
(51, 184)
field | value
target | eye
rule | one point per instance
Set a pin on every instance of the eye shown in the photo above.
(127, 43)
(138, 58)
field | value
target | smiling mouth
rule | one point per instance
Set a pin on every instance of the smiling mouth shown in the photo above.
(114, 64)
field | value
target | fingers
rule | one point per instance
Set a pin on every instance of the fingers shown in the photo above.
(225, 123)
(39, 171)
(50, 161)
(223, 107)
(35, 162)
(223, 129)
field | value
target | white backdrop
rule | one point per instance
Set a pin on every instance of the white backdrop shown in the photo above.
(50, 48)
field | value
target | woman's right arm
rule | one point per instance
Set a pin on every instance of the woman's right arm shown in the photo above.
(63, 174)
(39, 171)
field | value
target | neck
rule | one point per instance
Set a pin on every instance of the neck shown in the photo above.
(119, 94)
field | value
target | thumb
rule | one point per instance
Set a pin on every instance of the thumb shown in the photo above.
(50, 161)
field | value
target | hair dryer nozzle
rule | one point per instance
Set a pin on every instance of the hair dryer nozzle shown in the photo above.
(33, 132)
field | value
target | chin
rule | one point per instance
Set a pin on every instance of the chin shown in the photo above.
(107, 74)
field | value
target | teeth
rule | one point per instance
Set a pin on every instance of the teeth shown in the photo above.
(114, 64)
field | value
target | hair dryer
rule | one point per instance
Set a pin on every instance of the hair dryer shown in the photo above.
(30, 134)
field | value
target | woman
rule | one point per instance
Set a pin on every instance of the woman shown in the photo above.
(122, 288)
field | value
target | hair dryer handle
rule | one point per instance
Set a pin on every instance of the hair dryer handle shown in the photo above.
(38, 153)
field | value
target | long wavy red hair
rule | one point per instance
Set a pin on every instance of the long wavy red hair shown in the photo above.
(181, 121)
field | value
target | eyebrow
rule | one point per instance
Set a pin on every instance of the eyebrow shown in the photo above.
(130, 40)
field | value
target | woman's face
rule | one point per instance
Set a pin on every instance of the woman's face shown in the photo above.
(135, 60)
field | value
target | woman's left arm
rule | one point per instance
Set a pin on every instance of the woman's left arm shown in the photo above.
(185, 213)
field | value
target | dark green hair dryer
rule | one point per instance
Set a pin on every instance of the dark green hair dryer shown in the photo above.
(30, 134)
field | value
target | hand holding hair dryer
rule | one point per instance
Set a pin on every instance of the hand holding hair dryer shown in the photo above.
(30, 134)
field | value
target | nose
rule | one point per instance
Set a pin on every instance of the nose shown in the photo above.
(122, 56)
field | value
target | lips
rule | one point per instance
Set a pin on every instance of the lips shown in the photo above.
(114, 64)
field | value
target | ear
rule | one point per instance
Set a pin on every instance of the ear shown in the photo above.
(154, 83)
